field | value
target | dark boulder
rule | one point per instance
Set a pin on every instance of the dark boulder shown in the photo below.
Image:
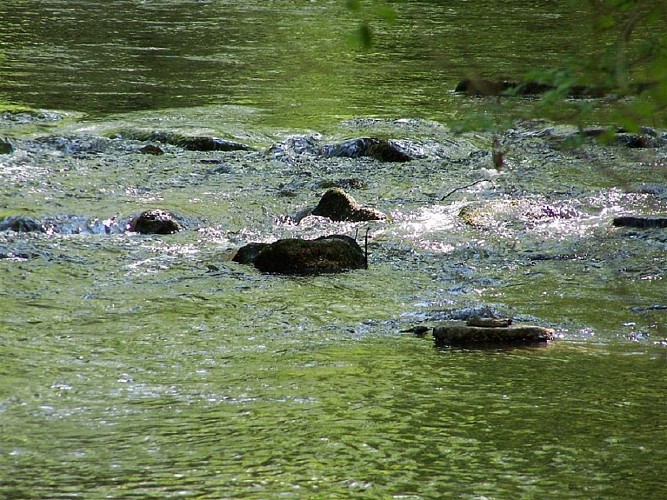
(21, 224)
(155, 222)
(337, 205)
(202, 143)
(327, 254)
(380, 149)
(248, 253)
(638, 141)
(459, 333)
(191, 143)
(640, 222)
(151, 149)
(6, 147)
(484, 87)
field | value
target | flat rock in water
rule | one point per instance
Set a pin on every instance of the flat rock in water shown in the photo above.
(459, 333)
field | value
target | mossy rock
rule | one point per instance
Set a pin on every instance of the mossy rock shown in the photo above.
(248, 253)
(337, 205)
(460, 333)
(296, 256)
(6, 146)
(640, 222)
(155, 222)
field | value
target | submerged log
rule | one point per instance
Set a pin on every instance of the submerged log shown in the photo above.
(459, 333)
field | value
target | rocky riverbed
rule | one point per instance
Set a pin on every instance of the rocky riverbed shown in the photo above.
(519, 222)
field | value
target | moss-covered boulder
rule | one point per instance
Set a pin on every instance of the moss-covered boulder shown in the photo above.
(248, 253)
(337, 205)
(6, 146)
(155, 222)
(640, 222)
(327, 254)
(493, 333)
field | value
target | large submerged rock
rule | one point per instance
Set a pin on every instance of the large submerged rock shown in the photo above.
(478, 332)
(21, 224)
(380, 149)
(191, 143)
(640, 222)
(327, 254)
(486, 87)
(337, 205)
(6, 146)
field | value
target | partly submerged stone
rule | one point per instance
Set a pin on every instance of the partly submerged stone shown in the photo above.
(6, 146)
(486, 87)
(461, 333)
(192, 143)
(155, 222)
(151, 149)
(327, 254)
(640, 222)
(337, 205)
(380, 149)
(21, 224)
(248, 253)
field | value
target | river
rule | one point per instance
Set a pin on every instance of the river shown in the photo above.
(149, 366)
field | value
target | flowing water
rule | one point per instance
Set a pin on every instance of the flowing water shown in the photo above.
(151, 366)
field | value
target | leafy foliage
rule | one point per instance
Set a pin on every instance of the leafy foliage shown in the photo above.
(627, 61)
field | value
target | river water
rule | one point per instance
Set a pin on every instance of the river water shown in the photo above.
(146, 366)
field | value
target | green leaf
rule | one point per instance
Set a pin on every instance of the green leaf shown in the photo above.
(386, 13)
(362, 37)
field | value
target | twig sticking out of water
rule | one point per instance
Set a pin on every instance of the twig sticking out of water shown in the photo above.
(497, 154)
(462, 187)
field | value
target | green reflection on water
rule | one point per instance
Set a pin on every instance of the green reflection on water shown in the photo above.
(375, 417)
(289, 59)
(128, 370)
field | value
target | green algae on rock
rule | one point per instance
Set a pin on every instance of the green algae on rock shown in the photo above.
(327, 254)
(460, 333)
(155, 222)
(337, 205)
